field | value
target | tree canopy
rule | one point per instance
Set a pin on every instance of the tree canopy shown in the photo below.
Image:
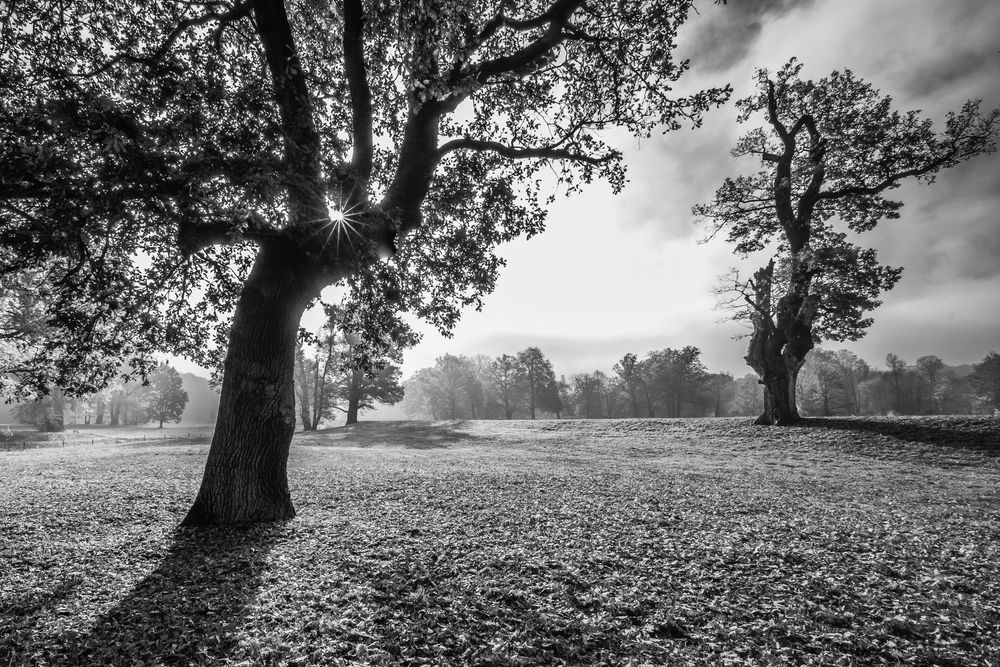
(165, 395)
(831, 151)
(149, 147)
(176, 164)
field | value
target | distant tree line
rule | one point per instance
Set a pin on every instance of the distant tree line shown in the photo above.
(161, 399)
(839, 383)
(675, 383)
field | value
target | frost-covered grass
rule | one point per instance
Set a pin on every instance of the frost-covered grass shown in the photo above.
(555, 542)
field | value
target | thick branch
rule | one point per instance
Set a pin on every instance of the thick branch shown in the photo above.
(772, 115)
(501, 20)
(782, 186)
(195, 235)
(556, 18)
(361, 96)
(307, 200)
(887, 182)
(542, 152)
(817, 152)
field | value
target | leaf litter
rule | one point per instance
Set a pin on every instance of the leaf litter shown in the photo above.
(626, 542)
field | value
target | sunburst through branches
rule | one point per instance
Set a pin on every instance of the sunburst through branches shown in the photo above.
(342, 223)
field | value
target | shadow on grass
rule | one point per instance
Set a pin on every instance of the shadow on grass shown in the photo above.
(188, 610)
(981, 434)
(407, 434)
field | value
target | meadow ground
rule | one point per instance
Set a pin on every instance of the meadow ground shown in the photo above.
(645, 542)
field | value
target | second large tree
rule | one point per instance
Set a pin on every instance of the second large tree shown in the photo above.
(831, 150)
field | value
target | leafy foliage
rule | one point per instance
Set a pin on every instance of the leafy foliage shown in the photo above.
(832, 149)
(460, 387)
(450, 389)
(986, 378)
(351, 363)
(148, 151)
(639, 541)
(539, 381)
(22, 328)
(165, 396)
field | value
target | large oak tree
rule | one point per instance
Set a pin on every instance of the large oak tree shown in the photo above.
(197, 172)
(831, 151)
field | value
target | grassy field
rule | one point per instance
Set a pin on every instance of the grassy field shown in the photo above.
(21, 436)
(644, 542)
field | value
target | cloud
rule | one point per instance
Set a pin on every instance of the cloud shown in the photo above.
(952, 69)
(955, 321)
(672, 173)
(723, 35)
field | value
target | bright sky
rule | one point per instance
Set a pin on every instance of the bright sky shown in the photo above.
(612, 275)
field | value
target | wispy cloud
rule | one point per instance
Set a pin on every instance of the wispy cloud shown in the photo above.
(723, 35)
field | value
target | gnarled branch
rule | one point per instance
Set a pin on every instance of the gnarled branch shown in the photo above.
(556, 18)
(515, 153)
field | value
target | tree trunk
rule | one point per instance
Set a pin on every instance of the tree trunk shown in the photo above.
(99, 417)
(303, 388)
(352, 410)
(245, 478)
(778, 346)
(354, 397)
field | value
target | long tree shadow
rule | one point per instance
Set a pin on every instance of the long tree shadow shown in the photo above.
(188, 610)
(406, 434)
(981, 434)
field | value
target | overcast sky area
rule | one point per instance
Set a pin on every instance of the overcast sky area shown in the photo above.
(621, 274)
(612, 275)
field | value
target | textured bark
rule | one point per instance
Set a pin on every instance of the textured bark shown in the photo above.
(245, 477)
(779, 345)
(354, 397)
(352, 411)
